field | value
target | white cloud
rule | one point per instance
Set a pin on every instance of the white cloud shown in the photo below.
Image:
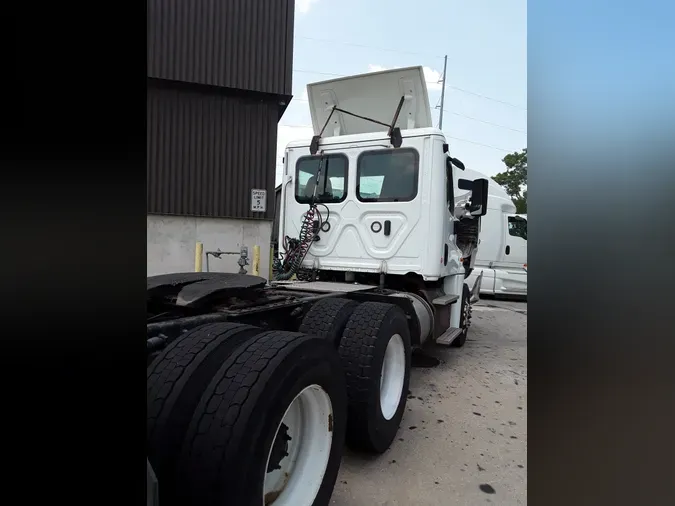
(288, 134)
(376, 68)
(431, 76)
(303, 6)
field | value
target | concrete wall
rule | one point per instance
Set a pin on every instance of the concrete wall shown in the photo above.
(172, 239)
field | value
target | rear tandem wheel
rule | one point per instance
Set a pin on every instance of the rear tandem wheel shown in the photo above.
(269, 429)
(376, 353)
(464, 317)
(238, 415)
(328, 318)
(175, 382)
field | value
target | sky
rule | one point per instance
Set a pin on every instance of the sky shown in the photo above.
(485, 108)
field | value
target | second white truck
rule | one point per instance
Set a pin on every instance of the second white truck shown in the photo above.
(501, 258)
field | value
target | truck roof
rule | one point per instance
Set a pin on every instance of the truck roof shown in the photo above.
(372, 136)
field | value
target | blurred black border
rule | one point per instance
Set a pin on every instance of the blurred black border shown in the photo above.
(601, 219)
(601, 340)
(73, 263)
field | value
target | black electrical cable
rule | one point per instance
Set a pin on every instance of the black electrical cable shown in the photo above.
(296, 250)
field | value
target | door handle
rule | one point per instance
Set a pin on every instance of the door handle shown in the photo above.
(387, 227)
(508, 250)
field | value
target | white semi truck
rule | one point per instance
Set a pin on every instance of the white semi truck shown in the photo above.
(254, 386)
(501, 258)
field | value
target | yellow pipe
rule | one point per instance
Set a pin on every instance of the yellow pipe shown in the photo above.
(199, 249)
(256, 260)
(271, 262)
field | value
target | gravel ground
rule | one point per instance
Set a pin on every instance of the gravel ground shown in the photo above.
(463, 439)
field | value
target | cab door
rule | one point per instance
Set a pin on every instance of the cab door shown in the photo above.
(515, 241)
(511, 266)
(378, 221)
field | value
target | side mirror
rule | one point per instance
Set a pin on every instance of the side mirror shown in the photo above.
(396, 137)
(465, 184)
(479, 197)
(450, 161)
(314, 145)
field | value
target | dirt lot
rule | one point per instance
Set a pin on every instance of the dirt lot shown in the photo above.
(463, 440)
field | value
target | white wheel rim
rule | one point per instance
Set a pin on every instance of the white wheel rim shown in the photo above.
(309, 422)
(391, 379)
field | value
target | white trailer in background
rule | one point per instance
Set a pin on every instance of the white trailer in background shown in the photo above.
(502, 251)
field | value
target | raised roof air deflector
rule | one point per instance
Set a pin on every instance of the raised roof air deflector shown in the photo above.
(375, 95)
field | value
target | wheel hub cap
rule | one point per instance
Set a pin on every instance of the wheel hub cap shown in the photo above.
(467, 315)
(279, 448)
(299, 454)
(392, 377)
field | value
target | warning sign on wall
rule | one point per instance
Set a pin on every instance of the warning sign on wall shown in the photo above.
(258, 201)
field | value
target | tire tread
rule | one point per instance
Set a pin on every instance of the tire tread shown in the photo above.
(219, 425)
(357, 351)
(328, 317)
(181, 357)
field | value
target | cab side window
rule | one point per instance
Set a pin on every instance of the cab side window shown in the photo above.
(518, 227)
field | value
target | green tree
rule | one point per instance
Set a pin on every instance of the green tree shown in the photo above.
(514, 178)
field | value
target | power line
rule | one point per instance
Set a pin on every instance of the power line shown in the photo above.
(377, 48)
(318, 73)
(478, 143)
(486, 122)
(487, 98)
(456, 88)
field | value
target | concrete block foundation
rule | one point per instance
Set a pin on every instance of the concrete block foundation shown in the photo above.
(172, 240)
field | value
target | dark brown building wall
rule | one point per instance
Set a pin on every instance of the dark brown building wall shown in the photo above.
(244, 44)
(207, 150)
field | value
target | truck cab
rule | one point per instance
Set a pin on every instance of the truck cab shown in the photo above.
(379, 195)
(384, 209)
(376, 243)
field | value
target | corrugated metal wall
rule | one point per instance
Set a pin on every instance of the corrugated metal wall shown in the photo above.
(245, 44)
(207, 150)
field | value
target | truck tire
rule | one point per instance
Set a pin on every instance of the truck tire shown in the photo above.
(175, 382)
(376, 354)
(464, 318)
(328, 318)
(270, 426)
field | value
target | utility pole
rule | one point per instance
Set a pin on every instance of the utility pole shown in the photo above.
(440, 117)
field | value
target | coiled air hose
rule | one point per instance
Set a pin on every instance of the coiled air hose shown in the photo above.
(296, 249)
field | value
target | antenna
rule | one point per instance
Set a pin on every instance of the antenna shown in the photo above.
(440, 117)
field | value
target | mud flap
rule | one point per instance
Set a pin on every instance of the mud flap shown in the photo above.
(475, 291)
